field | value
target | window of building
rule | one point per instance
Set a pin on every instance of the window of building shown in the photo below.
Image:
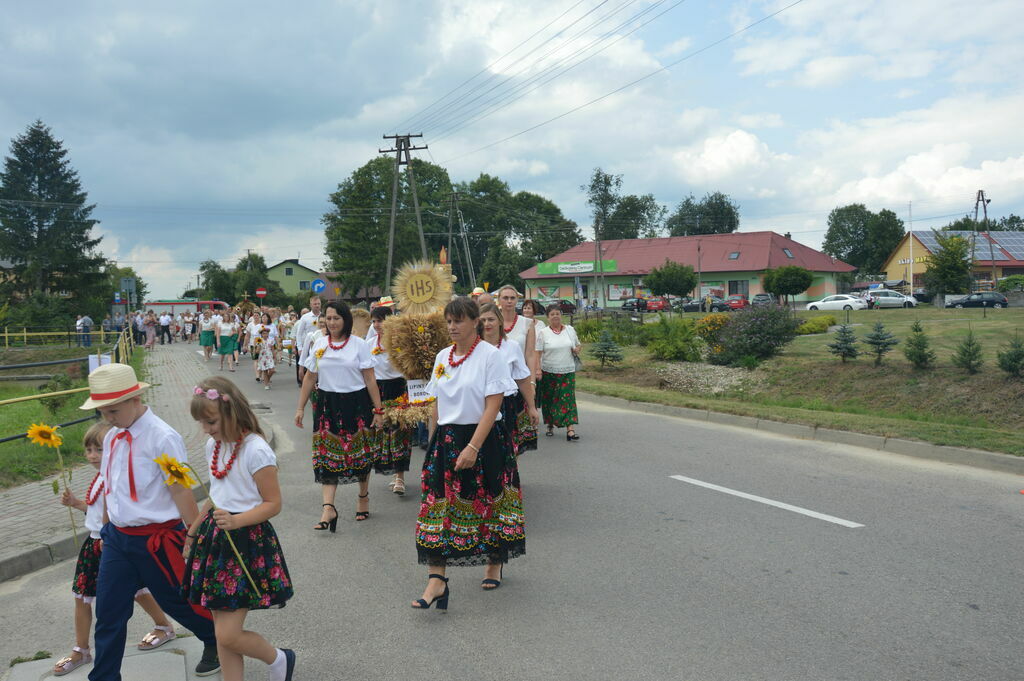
(741, 287)
(303, 285)
(789, 253)
(289, 271)
(735, 255)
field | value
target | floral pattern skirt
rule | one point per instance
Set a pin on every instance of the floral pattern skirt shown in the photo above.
(514, 414)
(87, 570)
(343, 443)
(474, 516)
(558, 399)
(393, 444)
(215, 580)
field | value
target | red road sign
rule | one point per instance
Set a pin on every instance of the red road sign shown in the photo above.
(261, 293)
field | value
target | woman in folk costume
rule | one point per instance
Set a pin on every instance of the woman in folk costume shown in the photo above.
(472, 507)
(518, 329)
(518, 411)
(339, 370)
(394, 450)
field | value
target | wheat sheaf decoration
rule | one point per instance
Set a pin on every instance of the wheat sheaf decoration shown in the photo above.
(412, 341)
(420, 287)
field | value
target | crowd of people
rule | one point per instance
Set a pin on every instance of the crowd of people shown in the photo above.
(503, 374)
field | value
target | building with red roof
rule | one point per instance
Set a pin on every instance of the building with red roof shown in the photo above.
(728, 264)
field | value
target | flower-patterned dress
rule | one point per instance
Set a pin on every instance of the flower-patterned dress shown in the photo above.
(214, 578)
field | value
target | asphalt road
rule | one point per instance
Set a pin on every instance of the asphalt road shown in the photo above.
(633, 574)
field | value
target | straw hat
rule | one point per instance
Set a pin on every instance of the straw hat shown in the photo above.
(386, 301)
(110, 384)
(478, 291)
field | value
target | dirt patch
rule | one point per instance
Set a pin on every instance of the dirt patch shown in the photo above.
(709, 379)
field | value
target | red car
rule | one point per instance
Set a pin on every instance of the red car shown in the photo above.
(737, 301)
(656, 304)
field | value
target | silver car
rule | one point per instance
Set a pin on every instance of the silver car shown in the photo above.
(838, 302)
(888, 298)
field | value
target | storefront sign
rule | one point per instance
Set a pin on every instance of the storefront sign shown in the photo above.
(906, 261)
(714, 288)
(547, 292)
(578, 267)
(616, 292)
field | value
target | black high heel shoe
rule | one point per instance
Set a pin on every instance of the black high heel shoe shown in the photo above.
(492, 584)
(363, 515)
(571, 436)
(331, 524)
(442, 600)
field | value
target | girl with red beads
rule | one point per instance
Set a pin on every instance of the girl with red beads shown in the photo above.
(245, 495)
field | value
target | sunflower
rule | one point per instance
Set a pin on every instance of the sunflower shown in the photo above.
(176, 472)
(319, 353)
(44, 435)
(440, 371)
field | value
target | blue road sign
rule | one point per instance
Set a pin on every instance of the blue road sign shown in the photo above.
(319, 285)
(117, 297)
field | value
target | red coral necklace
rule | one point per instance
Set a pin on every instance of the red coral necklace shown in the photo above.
(91, 498)
(508, 329)
(220, 474)
(452, 362)
(332, 346)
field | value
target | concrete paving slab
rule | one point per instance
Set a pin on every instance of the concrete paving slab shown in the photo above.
(173, 661)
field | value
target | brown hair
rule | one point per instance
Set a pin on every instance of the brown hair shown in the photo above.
(94, 436)
(236, 416)
(461, 307)
(537, 308)
(492, 308)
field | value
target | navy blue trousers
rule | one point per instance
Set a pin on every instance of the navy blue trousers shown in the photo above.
(125, 567)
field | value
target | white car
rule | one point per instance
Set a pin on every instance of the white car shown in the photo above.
(838, 302)
(889, 298)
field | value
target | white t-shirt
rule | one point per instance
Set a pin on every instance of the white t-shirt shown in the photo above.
(151, 437)
(557, 349)
(165, 320)
(228, 329)
(252, 330)
(340, 371)
(461, 391)
(237, 491)
(383, 369)
(217, 319)
(94, 512)
(516, 361)
(207, 324)
(303, 327)
(519, 331)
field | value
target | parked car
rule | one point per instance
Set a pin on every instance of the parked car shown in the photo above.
(888, 298)
(987, 299)
(717, 305)
(838, 302)
(737, 301)
(657, 304)
(566, 306)
(760, 299)
(922, 295)
(635, 305)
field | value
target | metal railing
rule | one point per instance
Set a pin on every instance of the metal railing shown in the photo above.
(14, 337)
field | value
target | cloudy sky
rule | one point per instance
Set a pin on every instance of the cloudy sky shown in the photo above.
(204, 129)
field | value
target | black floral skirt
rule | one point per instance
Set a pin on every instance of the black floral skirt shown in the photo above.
(87, 570)
(393, 447)
(215, 580)
(474, 516)
(343, 442)
(515, 416)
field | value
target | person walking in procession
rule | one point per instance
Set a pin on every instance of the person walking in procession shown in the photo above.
(557, 349)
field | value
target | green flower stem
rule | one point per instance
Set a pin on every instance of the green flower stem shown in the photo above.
(67, 486)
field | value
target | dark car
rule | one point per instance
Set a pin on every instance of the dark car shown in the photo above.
(760, 299)
(717, 305)
(635, 305)
(986, 299)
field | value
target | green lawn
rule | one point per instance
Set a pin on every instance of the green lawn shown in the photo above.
(21, 461)
(808, 385)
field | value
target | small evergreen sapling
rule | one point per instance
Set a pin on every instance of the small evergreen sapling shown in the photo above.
(606, 349)
(968, 354)
(1011, 359)
(845, 345)
(881, 342)
(918, 349)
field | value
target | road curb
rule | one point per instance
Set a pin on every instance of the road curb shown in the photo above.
(66, 546)
(977, 458)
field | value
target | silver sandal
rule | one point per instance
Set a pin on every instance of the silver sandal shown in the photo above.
(68, 665)
(153, 641)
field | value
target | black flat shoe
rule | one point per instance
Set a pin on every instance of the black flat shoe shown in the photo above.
(442, 600)
(331, 524)
(289, 656)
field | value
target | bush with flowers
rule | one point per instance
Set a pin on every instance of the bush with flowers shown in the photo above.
(754, 334)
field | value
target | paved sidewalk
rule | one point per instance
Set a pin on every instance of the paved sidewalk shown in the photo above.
(34, 527)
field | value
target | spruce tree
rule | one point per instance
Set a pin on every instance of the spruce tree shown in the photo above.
(918, 349)
(845, 344)
(606, 349)
(968, 354)
(881, 342)
(1011, 358)
(45, 222)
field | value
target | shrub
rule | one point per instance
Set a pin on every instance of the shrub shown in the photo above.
(673, 339)
(968, 354)
(881, 342)
(1014, 282)
(816, 325)
(606, 349)
(709, 328)
(917, 348)
(623, 330)
(845, 344)
(588, 330)
(1011, 359)
(759, 332)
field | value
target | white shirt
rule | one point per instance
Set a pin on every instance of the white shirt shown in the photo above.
(237, 491)
(383, 369)
(217, 319)
(513, 356)
(94, 513)
(340, 371)
(165, 320)
(207, 324)
(151, 437)
(557, 349)
(303, 328)
(252, 330)
(462, 391)
(228, 329)
(519, 331)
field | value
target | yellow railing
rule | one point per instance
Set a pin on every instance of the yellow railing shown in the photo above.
(14, 335)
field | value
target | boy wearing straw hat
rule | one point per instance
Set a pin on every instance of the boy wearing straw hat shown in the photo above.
(143, 534)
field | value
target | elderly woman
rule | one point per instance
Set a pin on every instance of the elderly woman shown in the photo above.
(557, 348)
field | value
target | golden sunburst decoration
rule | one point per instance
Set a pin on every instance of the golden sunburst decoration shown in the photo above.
(44, 435)
(176, 472)
(420, 287)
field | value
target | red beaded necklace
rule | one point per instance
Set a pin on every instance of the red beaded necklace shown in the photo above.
(452, 362)
(508, 329)
(91, 498)
(560, 330)
(332, 346)
(220, 474)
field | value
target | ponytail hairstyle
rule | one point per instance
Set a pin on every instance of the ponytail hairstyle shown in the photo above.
(236, 416)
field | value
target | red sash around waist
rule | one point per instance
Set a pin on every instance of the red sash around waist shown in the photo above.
(168, 538)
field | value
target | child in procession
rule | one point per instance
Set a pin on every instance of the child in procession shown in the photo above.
(244, 495)
(265, 359)
(88, 567)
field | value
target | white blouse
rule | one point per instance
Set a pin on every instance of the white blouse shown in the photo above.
(462, 391)
(228, 329)
(513, 356)
(94, 512)
(383, 369)
(340, 371)
(519, 331)
(237, 491)
(557, 349)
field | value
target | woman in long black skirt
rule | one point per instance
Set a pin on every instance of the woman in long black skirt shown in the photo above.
(394, 443)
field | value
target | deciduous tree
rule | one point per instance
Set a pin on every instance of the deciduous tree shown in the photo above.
(948, 269)
(671, 279)
(716, 213)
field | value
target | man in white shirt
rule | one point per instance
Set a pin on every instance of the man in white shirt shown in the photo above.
(302, 329)
(165, 328)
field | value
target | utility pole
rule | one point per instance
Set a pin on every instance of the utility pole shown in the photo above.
(700, 291)
(401, 149)
(465, 240)
(910, 240)
(983, 202)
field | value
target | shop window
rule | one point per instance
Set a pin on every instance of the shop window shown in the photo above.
(741, 287)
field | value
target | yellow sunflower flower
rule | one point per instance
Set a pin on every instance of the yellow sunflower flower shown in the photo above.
(420, 329)
(319, 353)
(176, 472)
(440, 371)
(44, 435)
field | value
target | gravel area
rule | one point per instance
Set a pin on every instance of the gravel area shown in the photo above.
(709, 379)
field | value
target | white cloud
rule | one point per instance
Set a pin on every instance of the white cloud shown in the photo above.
(760, 120)
(676, 48)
